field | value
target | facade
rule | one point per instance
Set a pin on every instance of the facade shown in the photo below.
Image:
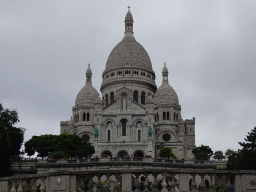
(133, 117)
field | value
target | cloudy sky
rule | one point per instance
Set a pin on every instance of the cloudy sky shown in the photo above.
(209, 48)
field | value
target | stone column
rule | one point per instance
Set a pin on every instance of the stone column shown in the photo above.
(127, 181)
(202, 184)
(211, 184)
(107, 185)
(82, 185)
(146, 185)
(238, 183)
(13, 187)
(164, 184)
(194, 184)
(184, 179)
(228, 184)
(155, 184)
(73, 183)
(173, 184)
(33, 189)
(220, 184)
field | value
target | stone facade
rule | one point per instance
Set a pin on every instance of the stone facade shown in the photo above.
(133, 117)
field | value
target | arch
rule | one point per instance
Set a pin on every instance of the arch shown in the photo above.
(143, 98)
(84, 116)
(167, 130)
(106, 100)
(88, 116)
(108, 135)
(106, 153)
(139, 135)
(135, 95)
(123, 153)
(112, 97)
(123, 123)
(138, 153)
(164, 115)
(168, 115)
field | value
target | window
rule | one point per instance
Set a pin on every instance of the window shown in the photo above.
(168, 118)
(135, 96)
(174, 116)
(86, 137)
(112, 97)
(123, 122)
(163, 115)
(106, 98)
(157, 117)
(77, 117)
(149, 119)
(177, 115)
(88, 116)
(139, 135)
(143, 98)
(108, 135)
(84, 116)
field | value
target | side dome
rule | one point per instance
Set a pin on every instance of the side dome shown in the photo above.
(88, 95)
(165, 94)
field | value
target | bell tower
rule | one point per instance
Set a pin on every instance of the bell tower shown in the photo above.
(128, 22)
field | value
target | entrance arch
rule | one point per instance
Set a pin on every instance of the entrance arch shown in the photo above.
(106, 154)
(138, 153)
(122, 154)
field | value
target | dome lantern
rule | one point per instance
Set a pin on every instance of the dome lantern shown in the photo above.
(165, 74)
(88, 75)
(128, 23)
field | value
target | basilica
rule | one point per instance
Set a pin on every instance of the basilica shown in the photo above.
(133, 117)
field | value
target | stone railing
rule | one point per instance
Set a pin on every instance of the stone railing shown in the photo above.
(126, 174)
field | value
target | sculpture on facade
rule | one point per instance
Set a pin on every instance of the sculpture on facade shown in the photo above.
(96, 132)
(150, 132)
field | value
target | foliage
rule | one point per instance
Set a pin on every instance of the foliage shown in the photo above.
(166, 152)
(218, 155)
(202, 153)
(58, 155)
(229, 152)
(246, 157)
(11, 138)
(70, 144)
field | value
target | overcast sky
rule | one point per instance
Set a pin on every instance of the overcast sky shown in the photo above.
(208, 46)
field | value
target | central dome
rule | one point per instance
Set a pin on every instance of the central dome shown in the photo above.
(128, 53)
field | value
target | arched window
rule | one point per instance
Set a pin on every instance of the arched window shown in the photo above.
(163, 115)
(112, 97)
(88, 116)
(84, 116)
(108, 135)
(177, 115)
(135, 96)
(123, 122)
(106, 98)
(174, 116)
(149, 119)
(143, 98)
(139, 135)
(157, 117)
(77, 117)
(168, 116)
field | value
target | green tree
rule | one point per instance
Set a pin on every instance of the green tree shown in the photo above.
(202, 153)
(218, 155)
(246, 157)
(70, 144)
(229, 152)
(166, 152)
(43, 145)
(11, 138)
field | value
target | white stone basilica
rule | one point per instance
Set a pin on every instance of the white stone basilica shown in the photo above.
(133, 117)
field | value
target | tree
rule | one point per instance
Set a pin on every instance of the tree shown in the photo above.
(218, 155)
(69, 144)
(246, 157)
(202, 153)
(229, 152)
(166, 152)
(11, 138)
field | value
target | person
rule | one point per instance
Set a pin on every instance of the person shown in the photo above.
(232, 187)
(159, 186)
(199, 188)
(177, 184)
(190, 184)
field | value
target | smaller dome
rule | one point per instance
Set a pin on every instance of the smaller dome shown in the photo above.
(128, 16)
(86, 96)
(165, 95)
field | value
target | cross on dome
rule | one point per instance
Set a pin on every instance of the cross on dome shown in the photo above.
(129, 8)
